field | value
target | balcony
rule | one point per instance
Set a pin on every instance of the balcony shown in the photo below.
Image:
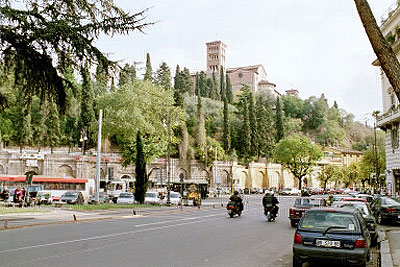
(388, 118)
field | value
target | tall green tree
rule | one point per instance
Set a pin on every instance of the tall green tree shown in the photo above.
(229, 94)
(201, 128)
(127, 75)
(87, 115)
(210, 88)
(328, 173)
(140, 171)
(163, 76)
(278, 121)
(53, 126)
(298, 154)
(227, 128)
(148, 76)
(187, 82)
(41, 35)
(265, 129)
(253, 126)
(222, 88)
(203, 84)
(178, 85)
(197, 89)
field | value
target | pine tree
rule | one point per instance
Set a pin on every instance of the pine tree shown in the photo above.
(140, 170)
(227, 128)
(229, 94)
(278, 121)
(222, 89)
(163, 76)
(127, 75)
(253, 125)
(149, 71)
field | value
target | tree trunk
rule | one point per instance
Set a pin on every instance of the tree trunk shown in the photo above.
(387, 59)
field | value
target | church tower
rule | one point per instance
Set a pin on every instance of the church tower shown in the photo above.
(215, 58)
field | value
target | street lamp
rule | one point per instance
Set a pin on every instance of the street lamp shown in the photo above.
(83, 138)
(169, 156)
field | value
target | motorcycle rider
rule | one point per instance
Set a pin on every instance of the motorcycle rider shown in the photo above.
(237, 199)
(270, 199)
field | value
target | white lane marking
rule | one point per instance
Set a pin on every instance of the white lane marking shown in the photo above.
(115, 234)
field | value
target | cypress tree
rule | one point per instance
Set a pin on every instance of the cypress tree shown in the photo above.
(222, 89)
(210, 89)
(265, 129)
(278, 121)
(187, 82)
(229, 94)
(53, 126)
(178, 96)
(201, 127)
(149, 71)
(246, 132)
(215, 88)
(227, 128)
(253, 125)
(197, 89)
(101, 78)
(203, 84)
(140, 170)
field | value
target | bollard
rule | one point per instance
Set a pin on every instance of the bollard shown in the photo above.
(198, 206)
(74, 217)
(5, 224)
(213, 206)
(134, 212)
(181, 206)
(222, 205)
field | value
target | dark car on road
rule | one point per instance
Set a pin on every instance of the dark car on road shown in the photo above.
(334, 235)
(386, 209)
(365, 212)
(302, 204)
(72, 197)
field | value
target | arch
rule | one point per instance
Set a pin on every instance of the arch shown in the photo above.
(65, 171)
(259, 179)
(156, 175)
(203, 176)
(274, 180)
(182, 171)
(246, 179)
(225, 180)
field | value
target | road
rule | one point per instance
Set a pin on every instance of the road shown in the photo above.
(205, 237)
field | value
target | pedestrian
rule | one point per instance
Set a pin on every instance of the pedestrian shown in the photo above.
(18, 196)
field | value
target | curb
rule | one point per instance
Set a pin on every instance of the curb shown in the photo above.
(386, 256)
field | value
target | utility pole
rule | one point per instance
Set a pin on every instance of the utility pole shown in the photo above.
(98, 158)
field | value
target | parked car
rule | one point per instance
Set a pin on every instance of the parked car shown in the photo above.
(302, 204)
(72, 197)
(386, 209)
(44, 197)
(152, 198)
(285, 191)
(103, 198)
(126, 198)
(366, 212)
(337, 235)
(175, 197)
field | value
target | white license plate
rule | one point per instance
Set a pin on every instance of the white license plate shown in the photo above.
(398, 216)
(327, 243)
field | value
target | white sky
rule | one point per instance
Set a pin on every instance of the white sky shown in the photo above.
(314, 46)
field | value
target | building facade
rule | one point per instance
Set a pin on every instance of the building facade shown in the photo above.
(389, 119)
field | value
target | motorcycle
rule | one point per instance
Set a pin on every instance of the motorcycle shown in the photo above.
(268, 212)
(233, 208)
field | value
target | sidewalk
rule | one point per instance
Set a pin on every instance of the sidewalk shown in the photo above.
(390, 248)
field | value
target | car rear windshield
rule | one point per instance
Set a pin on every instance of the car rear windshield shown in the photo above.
(322, 220)
(70, 194)
(306, 202)
(362, 207)
(151, 195)
(125, 195)
(389, 201)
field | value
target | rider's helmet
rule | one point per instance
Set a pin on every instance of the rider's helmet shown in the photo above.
(236, 193)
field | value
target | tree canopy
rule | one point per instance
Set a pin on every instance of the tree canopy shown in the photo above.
(40, 39)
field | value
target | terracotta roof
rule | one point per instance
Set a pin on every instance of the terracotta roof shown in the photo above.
(249, 68)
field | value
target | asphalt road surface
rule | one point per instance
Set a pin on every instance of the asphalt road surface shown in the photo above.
(206, 237)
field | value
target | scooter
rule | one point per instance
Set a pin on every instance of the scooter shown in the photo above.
(268, 212)
(233, 208)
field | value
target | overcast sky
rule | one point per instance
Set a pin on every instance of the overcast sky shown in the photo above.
(314, 46)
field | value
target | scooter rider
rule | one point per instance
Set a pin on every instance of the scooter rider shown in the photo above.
(270, 200)
(237, 199)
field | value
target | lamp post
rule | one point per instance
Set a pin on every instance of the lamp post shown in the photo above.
(83, 138)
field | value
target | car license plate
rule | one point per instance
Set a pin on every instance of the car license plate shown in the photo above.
(398, 216)
(327, 243)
